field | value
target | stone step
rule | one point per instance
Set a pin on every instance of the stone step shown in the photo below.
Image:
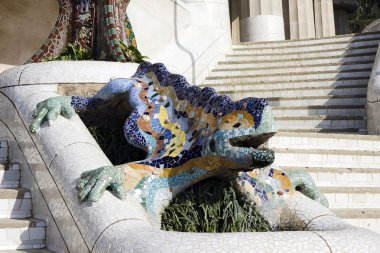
(15, 203)
(335, 57)
(359, 213)
(352, 197)
(347, 38)
(307, 91)
(332, 176)
(327, 110)
(350, 131)
(368, 218)
(346, 179)
(289, 76)
(9, 175)
(27, 251)
(22, 234)
(310, 141)
(232, 65)
(290, 157)
(3, 151)
(323, 130)
(360, 99)
(293, 69)
(297, 84)
(302, 54)
(310, 47)
(320, 121)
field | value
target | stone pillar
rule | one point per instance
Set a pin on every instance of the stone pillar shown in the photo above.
(262, 20)
(235, 20)
(324, 18)
(301, 19)
(285, 11)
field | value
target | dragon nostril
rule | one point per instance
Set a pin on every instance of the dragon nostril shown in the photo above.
(212, 145)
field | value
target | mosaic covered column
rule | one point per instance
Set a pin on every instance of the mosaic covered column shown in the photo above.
(262, 20)
(83, 23)
(324, 18)
(113, 28)
(60, 34)
(301, 19)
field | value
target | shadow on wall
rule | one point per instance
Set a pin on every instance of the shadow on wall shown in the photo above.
(24, 26)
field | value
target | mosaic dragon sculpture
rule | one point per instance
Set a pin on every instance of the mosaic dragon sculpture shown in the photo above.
(189, 134)
(76, 21)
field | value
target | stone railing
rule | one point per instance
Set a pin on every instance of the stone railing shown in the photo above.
(373, 93)
(373, 27)
(57, 155)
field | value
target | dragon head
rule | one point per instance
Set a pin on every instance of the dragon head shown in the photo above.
(242, 132)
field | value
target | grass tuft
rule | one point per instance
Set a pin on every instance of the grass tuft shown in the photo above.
(213, 206)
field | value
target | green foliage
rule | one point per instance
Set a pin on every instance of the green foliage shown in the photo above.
(115, 146)
(73, 52)
(367, 11)
(131, 53)
(213, 206)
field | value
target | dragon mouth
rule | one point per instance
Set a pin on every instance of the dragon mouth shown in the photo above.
(249, 141)
(261, 155)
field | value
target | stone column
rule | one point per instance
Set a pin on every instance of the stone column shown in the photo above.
(262, 20)
(235, 20)
(301, 19)
(324, 18)
(285, 11)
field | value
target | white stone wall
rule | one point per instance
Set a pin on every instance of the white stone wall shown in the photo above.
(24, 26)
(188, 36)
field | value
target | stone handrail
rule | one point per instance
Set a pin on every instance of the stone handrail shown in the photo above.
(373, 27)
(63, 151)
(373, 97)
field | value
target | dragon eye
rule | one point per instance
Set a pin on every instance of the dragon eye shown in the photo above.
(236, 125)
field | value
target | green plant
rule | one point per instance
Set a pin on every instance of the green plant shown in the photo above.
(366, 12)
(131, 53)
(115, 146)
(73, 52)
(213, 206)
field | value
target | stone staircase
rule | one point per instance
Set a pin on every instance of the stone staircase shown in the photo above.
(19, 232)
(318, 90)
